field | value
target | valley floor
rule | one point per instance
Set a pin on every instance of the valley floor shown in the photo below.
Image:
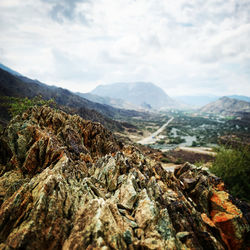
(182, 136)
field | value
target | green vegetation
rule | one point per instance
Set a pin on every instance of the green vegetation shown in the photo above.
(150, 130)
(165, 160)
(230, 117)
(233, 166)
(189, 129)
(176, 140)
(161, 142)
(17, 105)
(199, 163)
(206, 129)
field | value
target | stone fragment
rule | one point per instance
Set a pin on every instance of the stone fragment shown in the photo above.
(145, 211)
(127, 194)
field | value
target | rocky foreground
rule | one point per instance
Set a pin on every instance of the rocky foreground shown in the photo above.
(67, 183)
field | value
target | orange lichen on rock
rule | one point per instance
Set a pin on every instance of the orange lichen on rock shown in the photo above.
(228, 218)
(220, 201)
(221, 186)
(207, 220)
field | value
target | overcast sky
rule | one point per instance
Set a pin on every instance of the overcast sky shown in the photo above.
(187, 47)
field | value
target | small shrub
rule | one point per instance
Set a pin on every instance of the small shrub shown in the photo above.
(165, 160)
(17, 105)
(216, 149)
(233, 166)
(161, 142)
(176, 140)
(201, 163)
(179, 161)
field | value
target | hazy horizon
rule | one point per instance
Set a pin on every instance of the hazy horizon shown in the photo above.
(186, 48)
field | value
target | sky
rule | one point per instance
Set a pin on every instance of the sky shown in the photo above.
(186, 47)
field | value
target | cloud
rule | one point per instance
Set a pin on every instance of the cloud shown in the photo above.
(227, 45)
(1, 52)
(183, 46)
(73, 68)
(67, 9)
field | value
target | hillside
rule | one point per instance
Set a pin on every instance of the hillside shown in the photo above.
(67, 183)
(114, 102)
(141, 94)
(20, 86)
(226, 106)
(5, 68)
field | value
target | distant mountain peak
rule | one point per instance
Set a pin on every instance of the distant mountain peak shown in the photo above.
(226, 106)
(137, 93)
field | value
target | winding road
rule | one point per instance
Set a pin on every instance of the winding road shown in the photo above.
(152, 138)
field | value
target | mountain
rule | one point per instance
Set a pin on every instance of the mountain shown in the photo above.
(141, 94)
(67, 183)
(196, 101)
(201, 100)
(226, 106)
(240, 97)
(20, 86)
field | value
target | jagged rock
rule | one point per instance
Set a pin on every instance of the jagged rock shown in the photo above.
(66, 183)
(97, 225)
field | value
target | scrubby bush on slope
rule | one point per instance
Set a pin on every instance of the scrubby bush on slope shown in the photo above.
(233, 166)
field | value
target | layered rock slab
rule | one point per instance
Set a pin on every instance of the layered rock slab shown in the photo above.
(67, 183)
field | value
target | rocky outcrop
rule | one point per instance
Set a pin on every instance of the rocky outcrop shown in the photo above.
(66, 183)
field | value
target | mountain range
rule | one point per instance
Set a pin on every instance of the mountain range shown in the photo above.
(19, 86)
(143, 95)
(115, 101)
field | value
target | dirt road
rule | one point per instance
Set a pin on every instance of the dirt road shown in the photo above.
(152, 138)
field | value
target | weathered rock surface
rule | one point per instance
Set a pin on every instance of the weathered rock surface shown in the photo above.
(66, 183)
